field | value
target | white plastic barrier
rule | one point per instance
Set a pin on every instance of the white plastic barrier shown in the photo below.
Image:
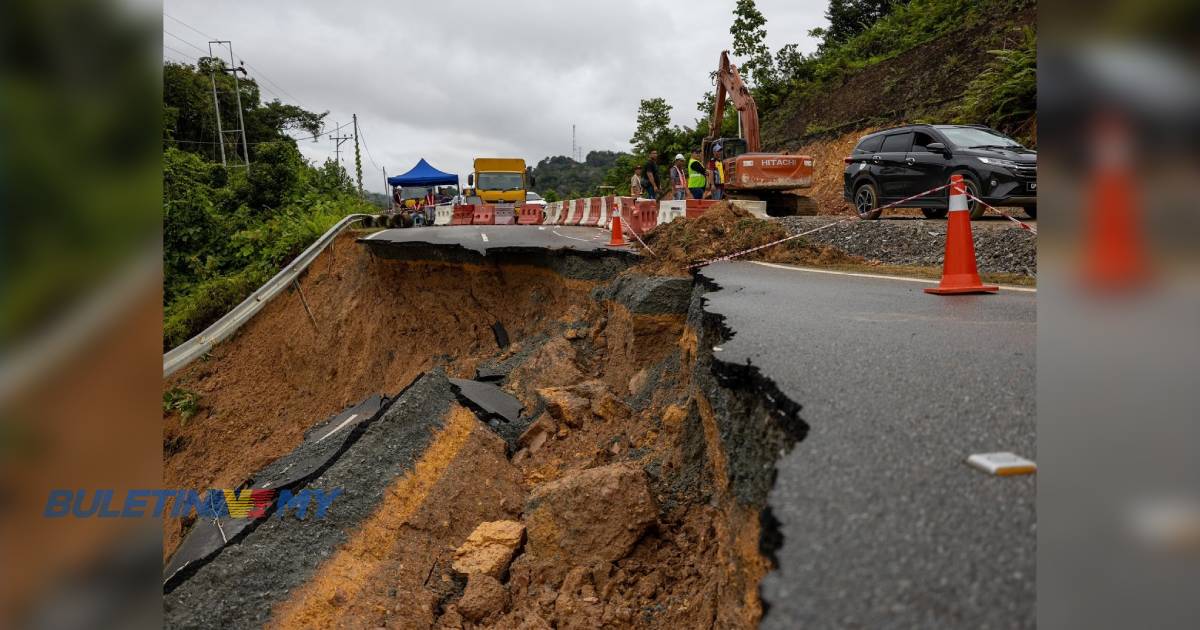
(757, 208)
(553, 212)
(670, 210)
(605, 215)
(442, 213)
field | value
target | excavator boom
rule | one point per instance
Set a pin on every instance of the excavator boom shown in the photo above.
(750, 173)
(730, 86)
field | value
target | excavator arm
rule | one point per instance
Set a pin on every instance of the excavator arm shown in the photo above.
(730, 85)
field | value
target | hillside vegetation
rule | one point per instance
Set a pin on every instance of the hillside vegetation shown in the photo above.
(880, 63)
(226, 230)
(928, 61)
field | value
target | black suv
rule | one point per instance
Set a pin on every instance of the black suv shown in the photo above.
(890, 165)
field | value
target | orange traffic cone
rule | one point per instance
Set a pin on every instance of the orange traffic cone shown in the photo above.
(959, 274)
(618, 238)
(1115, 257)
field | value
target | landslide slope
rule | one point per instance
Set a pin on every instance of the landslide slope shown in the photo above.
(916, 73)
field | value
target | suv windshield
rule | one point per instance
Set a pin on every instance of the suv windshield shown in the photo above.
(976, 138)
(532, 196)
(501, 181)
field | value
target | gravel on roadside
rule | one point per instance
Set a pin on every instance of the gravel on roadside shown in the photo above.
(998, 248)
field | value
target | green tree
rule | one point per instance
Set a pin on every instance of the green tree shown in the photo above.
(848, 18)
(749, 42)
(653, 125)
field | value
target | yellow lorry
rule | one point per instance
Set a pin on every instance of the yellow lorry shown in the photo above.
(499, 180)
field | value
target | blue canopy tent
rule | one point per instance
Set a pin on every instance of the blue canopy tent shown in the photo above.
(424, 175)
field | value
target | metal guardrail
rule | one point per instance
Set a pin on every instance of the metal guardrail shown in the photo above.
(187, 351)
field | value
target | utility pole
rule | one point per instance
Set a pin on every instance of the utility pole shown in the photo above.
(337, 149)
(573, 142)
(357, 157)
(237, 91)
(387, 189)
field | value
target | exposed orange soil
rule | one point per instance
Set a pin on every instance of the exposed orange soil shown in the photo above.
(379, 325)
(697, 566)
(723, 230)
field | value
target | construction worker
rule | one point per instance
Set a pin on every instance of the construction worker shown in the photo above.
(679, 178)
(650, 177)
(717, 167)
(697, 177)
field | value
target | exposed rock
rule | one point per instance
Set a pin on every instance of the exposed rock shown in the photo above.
(638, 381)
(590, 515)
(566, 406)
(538, 432)
(489, 548)
(609, 408)
(673, 417)
(484, 597)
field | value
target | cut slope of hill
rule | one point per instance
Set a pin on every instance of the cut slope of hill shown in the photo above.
(924, 83)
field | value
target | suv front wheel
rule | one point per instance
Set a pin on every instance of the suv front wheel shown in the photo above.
(974, 207)
(866, 201)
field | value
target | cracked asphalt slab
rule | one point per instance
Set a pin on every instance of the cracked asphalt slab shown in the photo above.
(882, 523)
(241, 584)
(482, 238)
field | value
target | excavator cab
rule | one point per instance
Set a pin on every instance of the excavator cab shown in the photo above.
(730, 148)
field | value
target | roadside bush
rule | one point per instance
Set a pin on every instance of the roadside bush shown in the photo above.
(1004, 95)
(205, 302)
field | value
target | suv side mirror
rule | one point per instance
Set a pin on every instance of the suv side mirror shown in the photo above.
(937, 147)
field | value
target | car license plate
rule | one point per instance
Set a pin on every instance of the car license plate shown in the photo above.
(1032, 186)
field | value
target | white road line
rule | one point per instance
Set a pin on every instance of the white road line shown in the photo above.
(570, 237)
(338, 427)
(1006, 287)
(484, 237)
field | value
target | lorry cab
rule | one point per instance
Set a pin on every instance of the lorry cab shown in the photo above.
(499, 180)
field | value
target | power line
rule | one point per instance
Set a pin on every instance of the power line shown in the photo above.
(362, 135)
(268, 80)
(189, 26)
(178, 52)
(166, 32)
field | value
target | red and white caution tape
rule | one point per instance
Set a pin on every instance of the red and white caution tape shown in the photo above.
(827, 225)
(639, 238)
(754, 249)
(1004, 214)
(906, 199)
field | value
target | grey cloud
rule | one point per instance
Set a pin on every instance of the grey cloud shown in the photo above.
(451, 80)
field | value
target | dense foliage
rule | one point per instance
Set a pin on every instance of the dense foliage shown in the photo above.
(1004, 95)
(861, 33)
(228, 230)
(560, 177)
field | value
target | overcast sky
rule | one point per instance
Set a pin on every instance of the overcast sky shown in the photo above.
(450, 80)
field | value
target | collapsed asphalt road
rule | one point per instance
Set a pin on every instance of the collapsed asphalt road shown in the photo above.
(636, 384)
(882, 523)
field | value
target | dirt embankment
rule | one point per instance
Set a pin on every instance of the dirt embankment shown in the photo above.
(919, 85)
(627, 495)
(724, 230)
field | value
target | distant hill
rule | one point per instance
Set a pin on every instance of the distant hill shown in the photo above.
(566, 177)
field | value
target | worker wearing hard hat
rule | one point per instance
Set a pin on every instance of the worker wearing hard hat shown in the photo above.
(717, 167)
(697, 179)
(679, 178)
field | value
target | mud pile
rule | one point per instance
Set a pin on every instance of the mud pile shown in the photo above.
(723, 230)
(627, 492)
